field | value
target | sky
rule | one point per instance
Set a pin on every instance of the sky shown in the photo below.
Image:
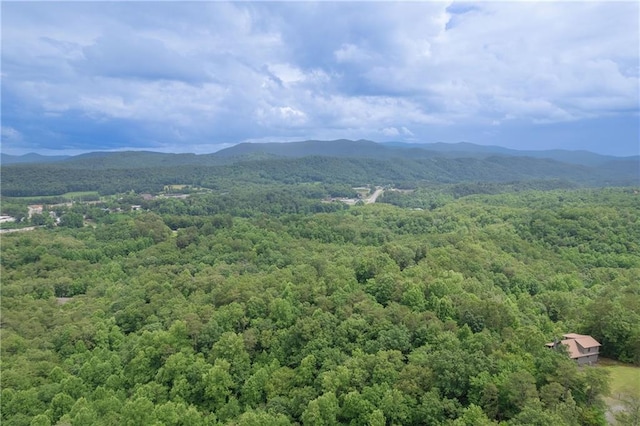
(201, 76)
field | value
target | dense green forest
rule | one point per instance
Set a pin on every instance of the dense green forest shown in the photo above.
(266, 306)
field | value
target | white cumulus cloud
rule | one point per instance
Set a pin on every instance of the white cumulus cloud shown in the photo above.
(225, 72)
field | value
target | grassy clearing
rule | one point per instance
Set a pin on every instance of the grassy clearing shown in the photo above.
(69, 196)
(82, 194)
(174, 187)
(624, 378)
(363, 191)
(624, 381)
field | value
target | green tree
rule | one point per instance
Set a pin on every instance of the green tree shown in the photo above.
(138, 412)
(516, 392)
(218, 384)
(376, 418)
(72, 220)
(60, 405)
(322, 411)
(230, 347)
(473, 416)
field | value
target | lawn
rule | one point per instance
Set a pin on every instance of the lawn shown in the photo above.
(69, 196)
(624, 380)
(174, 187)
(83, 194)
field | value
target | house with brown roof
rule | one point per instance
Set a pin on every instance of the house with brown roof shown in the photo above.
(581, 348)
(35, 209)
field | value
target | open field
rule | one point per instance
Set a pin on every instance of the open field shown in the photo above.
(625, 378)
(174, 187)
(624, 381)
(81, 194)
(69, 196)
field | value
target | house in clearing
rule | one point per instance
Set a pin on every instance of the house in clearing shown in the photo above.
(583, 349)
(35, 209)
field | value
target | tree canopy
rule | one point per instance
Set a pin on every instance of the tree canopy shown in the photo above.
(268, 307)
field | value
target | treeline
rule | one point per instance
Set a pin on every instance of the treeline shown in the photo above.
(192, 314)
(431, 196)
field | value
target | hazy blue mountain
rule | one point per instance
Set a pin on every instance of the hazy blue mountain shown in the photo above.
(32, 157)
(369, 149)
(464, 147)
(470, 150)
(360, 149)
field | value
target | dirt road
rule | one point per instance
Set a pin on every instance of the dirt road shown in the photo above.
(6, 231)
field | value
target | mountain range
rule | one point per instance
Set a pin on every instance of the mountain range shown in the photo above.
(337, 148)
(343, 162)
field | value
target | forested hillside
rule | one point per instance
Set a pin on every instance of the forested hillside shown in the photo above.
(275, 309)
(150, 172)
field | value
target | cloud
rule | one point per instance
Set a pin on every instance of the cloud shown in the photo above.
(131, 56)
(167, 74)
(517, 52)
(10, 136)
(280, 116)
(351, 53)
(287, 73)
(394, 131)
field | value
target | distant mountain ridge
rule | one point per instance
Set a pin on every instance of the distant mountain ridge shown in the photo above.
(342, 162)
(335, 148)
(31, 158)
(369, 149)
(466, 149)
(341, 148)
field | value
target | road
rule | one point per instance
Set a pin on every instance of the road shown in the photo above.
(6, 231)
(374, 196)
